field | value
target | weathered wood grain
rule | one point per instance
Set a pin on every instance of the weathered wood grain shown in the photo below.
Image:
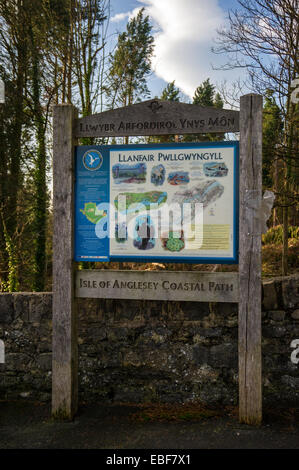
(2, 352)
(250, 374)
(157, 117)
(157, 285)
(2, 92)
(65, 356)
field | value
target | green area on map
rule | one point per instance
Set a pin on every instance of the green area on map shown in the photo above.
(92, 213)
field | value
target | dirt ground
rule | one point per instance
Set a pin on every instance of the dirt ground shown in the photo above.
(28, 425)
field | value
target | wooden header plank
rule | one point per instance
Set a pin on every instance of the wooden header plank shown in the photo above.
(250, 369)
(157, 117)
(157, 285)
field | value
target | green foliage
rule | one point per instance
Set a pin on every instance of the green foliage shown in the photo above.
(272, 135)
(275, 235)
(205, 95)
(42, 46)
(218, 102)
(131, 63)
(171, 92)
(24, 194)
(12, 284)
(52, 51)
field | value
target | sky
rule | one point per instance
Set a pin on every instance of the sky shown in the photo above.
(184, 31)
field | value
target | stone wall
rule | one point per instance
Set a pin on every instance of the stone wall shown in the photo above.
(138, 351)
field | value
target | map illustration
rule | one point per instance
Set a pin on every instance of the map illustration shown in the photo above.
(158, 175)
(174, 201)
(174, 241)
(129, 173)
(135, 201)
(215, 169)
(92, 213)
(178, 177)
(144, 233)
(205, 193)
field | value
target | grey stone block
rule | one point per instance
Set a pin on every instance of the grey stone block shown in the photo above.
(290, 381)
(44, 361)
(6, 308)
(196, 310)
(274, 331)
(295, 314)
(277, 315)
(269, 296)
(200, 354)
(45, 346)
(21, 305)
(96, 333)
(210, 332)
(40, 307)
(290, 291)
(224, 355)
(16, 361)
(226, 309)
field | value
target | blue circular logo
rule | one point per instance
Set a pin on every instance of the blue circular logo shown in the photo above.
(92, 160)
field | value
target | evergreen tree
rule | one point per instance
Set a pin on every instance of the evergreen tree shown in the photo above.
(50, 52)
(205, 95)
(13, 50)
(171, 92)
(218, 102)
(130, 64)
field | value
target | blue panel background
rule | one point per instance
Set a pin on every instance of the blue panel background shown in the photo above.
(88, 247)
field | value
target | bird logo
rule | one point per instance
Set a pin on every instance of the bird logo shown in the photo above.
(92, 160)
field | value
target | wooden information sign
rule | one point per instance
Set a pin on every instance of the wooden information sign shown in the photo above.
(156, 117)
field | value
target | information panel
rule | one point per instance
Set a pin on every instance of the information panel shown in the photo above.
(163, 202)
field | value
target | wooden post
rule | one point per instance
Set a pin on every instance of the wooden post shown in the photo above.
(65, 355)
(250, 370)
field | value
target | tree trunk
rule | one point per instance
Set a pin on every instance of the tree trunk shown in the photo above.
(40, 188)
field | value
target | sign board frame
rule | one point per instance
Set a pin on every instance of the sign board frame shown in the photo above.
(86, 191)
(143, 119)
